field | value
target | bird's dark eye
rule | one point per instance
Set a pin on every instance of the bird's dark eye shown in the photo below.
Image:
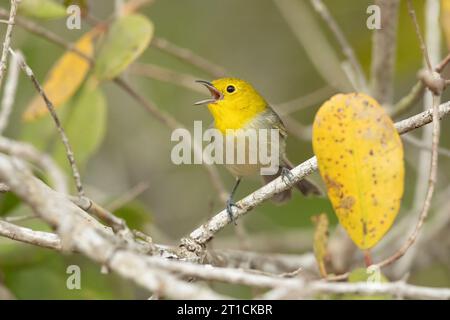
(231, 89)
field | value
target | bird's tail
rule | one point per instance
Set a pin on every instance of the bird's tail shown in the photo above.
(305, 186)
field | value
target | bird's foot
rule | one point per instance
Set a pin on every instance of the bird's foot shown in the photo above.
(230, 205)
(287, 176)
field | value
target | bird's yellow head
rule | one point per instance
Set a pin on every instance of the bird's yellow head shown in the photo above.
(233, 103)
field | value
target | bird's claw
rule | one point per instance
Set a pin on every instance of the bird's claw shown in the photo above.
(230, 205)
(287, 176)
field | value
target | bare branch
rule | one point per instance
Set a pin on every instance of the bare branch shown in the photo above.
(423, 46)
(26, 235)
(409, 100)
(206, 231)
(300, 103)
(396, 289)
(384, 43)
(36, 29)
(93, 241)
(166, 75)
(358, 73)
(7, 41)
(9, 93)
(283, 287)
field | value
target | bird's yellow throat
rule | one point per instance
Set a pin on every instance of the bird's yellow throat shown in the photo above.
(238, 104)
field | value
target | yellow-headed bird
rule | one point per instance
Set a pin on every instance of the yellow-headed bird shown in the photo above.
(235, 104)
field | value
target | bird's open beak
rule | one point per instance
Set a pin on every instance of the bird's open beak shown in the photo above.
(216, 95)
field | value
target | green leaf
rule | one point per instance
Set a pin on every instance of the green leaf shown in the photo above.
(42, 9)
(369, 275)
(126, 41)
(85, 126)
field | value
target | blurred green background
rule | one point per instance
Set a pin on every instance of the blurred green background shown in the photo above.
(251, 40)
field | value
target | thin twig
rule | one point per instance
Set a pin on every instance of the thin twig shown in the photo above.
(163, 74)
(62, 133)
(7, 41)
(36, 29)
(21, 218)
(423, 47)
(417, 91)
(304, 25)
(345, 45)
(441, 66)
(9, 93)
(409, 100)
(188, 56)
(307, 100)
(98, 211)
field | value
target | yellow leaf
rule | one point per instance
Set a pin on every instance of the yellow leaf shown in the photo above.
(445, 19)
(64, 78)
(360, 158)
(321, 242)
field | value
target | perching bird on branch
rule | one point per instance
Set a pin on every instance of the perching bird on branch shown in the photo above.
(234, 105)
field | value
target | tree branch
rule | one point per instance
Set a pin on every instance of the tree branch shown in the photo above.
(283, 287)
(38, 238)
(93, 241)
(7, 41)
(9, 93)
(206, 231)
